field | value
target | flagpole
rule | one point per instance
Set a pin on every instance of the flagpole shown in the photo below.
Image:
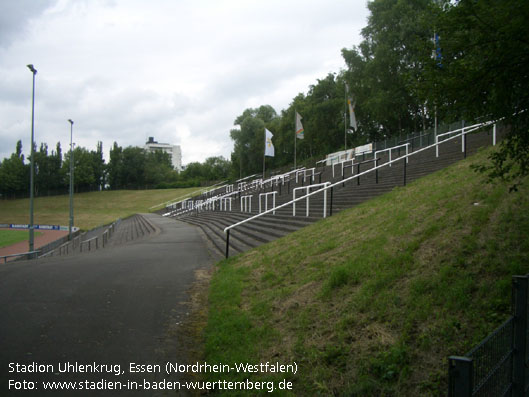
(264, 153)
(295, 139)
(345, 116)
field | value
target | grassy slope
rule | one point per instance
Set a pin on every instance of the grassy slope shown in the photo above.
(373, 300)
(90, 209)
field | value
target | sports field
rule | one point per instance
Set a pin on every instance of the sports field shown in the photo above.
(12, 236)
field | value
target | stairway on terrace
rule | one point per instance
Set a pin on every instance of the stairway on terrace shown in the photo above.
(272, 226)
(120, 232)
(132, 228)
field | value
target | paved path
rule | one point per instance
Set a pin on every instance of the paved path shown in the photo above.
(113, 306)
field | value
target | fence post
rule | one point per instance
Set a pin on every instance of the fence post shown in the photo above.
(519, 334)
(460, 376)
(227, 243)
(358, 172)
(376, 170)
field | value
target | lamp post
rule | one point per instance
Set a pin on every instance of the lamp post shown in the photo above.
(71, 181)
(32, 165)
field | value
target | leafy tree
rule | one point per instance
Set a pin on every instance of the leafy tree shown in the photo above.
(248, 153)
(48, 171)
(133, 171)
(14, 174)
(98, 166)
(158, 168)
(115, 167)
(385, 71)
(484, 73)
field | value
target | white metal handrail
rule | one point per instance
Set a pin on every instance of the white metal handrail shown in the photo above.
(342, 164)
(393, 148)
(246, 203)
(228, 228)
(464, 130)
(224, 201)
(307, 188)
(304, 172)
(266, 200)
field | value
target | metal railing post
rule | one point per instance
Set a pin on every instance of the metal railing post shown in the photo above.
(494, 135)
(460, 376)
(405, 161)
(519, 335)
(330, 209)
(294, 203)
(325, 203)
(376, 171)
(227, 243)
(358, 172)
(308, 204)
(465, 146)
(463, 142)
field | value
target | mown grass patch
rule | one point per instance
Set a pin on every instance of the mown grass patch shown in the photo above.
(374, 299)
(10, 237)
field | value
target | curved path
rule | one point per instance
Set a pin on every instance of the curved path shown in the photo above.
(113, 306)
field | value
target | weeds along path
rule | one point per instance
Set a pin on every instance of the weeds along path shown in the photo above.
(115, 306)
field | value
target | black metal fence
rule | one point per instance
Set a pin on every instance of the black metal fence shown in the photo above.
(498, 365)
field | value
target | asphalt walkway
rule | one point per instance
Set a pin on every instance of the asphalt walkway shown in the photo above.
(102, 310)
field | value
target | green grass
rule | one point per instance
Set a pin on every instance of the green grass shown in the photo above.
(373, 300)
(90, 209)
(10, 237)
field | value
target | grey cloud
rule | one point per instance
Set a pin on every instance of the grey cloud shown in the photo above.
(14, 16)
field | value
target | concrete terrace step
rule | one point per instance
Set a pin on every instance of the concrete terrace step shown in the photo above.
(269, 227)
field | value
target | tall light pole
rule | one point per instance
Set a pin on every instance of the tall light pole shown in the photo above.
(31, 172)
(71, 180)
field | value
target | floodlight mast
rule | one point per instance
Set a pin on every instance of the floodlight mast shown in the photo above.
(70, 227)
(32, 163)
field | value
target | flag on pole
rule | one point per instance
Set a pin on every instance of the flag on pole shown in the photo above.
(269, 147)
(351, 103)
(300, 132)
(436, 54)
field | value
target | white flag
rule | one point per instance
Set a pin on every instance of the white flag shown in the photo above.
(300, 132)
(269, 147)
(351, 103)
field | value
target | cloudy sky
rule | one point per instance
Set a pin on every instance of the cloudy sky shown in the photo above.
(178, 70)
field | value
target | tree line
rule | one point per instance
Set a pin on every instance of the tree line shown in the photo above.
(419, 60)
(128, 168)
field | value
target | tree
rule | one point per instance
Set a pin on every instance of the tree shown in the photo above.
(115, 167)
(14, 174)
(247, 157)
(385, 71)
(158, 168)
(485, 73)
(48, 171)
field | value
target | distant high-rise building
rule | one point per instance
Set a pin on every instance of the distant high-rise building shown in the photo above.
(174, 151)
